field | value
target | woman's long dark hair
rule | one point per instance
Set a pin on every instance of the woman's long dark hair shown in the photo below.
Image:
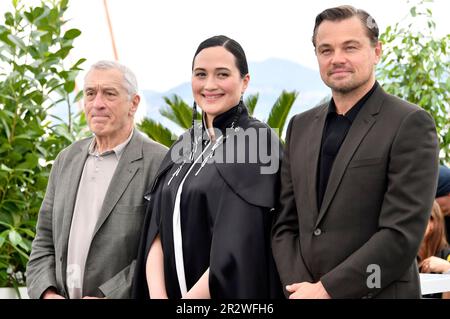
(435, 240)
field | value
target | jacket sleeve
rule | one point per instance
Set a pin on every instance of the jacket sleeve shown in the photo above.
(411, 185)
(40, 273)
(285, 231)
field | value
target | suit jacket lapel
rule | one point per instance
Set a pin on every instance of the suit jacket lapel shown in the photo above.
(127, 167)
(313, 153)
(355, 136)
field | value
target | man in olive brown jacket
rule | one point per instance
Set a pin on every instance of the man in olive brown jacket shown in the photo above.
(358, 176)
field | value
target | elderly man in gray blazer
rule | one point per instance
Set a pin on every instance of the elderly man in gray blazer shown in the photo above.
(358, 176)
(90, 220)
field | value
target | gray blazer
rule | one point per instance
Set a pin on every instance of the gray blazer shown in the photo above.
(110, 262)
(375, 208)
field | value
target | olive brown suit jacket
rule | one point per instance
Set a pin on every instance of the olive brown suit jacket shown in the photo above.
(363, 241)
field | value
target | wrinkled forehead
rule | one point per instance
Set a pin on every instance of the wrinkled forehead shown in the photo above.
(104, 79)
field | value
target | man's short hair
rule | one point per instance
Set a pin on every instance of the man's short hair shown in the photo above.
(346, 12)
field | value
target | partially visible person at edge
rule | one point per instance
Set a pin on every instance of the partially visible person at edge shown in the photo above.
(443, 196)
(434, 251)
(358, 177)
(207, 229)
(90, 220)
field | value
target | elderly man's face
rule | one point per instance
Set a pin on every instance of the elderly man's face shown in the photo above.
(444, 203)
(109, 110)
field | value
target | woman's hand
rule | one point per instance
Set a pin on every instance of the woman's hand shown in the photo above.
(434, 264)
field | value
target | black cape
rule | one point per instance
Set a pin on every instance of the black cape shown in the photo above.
(226, 212)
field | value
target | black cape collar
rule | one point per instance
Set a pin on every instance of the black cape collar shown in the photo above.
(226, 119)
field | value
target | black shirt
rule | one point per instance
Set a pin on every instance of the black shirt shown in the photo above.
(335, 130)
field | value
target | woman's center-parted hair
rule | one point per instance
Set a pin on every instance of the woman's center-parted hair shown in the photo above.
(129, 79)
(231, 46)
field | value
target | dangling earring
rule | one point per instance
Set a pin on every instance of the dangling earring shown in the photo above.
(242, 98)
(194, 113)
(194, 116)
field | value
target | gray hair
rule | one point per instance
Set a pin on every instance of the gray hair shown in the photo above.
(130, 82)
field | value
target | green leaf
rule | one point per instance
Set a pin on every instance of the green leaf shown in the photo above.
(251, 102)
(31, 161)
(28, 232)
(24, 244)
(69, 86)
(9, 19)
(157, 132)
(71, 34)
(178, 111)
(78, 97)
(6, 225)
(5, 168)
(14, 237)
(77, 64)
(63, 52)
(281, 109)
(17, 41)
(63, 5)
(6, 128)
(38, 12)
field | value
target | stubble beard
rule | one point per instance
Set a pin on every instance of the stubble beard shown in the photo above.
(348, 87)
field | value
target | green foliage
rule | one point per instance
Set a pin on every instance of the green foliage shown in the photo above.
(416, 67)
(251, 102)
(33, 80)
(157, 132)
(180, 113)
(280, 110)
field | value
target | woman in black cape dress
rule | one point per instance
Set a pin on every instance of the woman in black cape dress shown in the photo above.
(225, 210)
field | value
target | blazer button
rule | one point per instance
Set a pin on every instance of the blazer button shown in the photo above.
(317, 232)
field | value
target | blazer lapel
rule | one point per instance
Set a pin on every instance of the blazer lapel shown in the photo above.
(362, 124)
(313, 153)
(127, 167)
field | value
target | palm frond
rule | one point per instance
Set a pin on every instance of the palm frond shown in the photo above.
(251, 102)
(177, 111)
(280, 110)
(157, 132)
